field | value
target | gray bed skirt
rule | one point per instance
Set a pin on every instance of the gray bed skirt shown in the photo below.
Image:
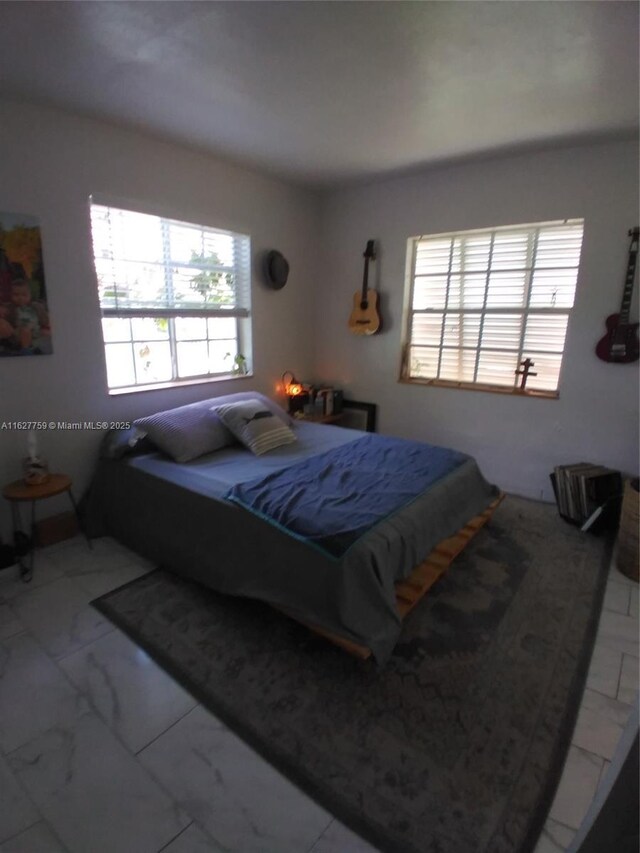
(224, 547)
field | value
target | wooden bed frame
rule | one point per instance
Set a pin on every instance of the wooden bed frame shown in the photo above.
(422, 578)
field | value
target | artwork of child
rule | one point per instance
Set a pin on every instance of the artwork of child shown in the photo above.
(24, 324)
(24, 319)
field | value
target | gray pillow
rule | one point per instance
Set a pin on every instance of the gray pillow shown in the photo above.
(190, 431)
(255, 425)
(186, 432)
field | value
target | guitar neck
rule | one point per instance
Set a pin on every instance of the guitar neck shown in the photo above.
(369, 254)
(365, 280)
(628, 283)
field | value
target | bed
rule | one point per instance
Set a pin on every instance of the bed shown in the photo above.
(180, 517)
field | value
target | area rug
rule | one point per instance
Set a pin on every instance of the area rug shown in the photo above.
(457, 744)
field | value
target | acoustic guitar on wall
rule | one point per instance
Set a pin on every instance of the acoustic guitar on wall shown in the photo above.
(364, 318)
(620, 344)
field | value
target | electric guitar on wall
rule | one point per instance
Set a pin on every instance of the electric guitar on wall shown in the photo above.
(620, 344)
(365, 319)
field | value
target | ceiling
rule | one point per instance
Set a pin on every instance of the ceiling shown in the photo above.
(327, 92)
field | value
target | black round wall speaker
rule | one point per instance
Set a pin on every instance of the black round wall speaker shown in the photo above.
(276, 269)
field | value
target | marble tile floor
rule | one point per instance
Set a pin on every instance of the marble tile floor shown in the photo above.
(102, 752)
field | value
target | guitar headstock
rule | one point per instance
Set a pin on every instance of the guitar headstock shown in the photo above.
(370, 251)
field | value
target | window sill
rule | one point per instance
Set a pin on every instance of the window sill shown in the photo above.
(491, 389)
(179, 383)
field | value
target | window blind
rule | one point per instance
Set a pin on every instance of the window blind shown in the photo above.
(152, 266)
(483, 301)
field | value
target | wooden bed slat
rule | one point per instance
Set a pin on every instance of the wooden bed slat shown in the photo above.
(355, 649)
(413, 588)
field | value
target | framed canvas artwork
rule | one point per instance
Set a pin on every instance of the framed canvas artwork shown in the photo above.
(25, 328)
(356, 415)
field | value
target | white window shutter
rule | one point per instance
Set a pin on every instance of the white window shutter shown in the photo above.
(481, 302)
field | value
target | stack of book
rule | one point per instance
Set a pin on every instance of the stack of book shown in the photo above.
(328, 401)
(584, 492)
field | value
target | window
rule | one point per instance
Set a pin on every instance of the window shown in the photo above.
(480, 302)
(175, 298)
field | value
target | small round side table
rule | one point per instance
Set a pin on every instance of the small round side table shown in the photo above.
(19, 492)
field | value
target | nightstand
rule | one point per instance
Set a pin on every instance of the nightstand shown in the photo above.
(19, 492)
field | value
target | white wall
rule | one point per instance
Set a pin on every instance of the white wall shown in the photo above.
(517, 441)
(50, 163)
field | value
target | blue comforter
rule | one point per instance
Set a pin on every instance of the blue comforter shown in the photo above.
(332, 499)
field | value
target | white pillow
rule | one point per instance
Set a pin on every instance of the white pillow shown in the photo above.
(254, 425)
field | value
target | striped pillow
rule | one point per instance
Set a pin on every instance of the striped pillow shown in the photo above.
(187, 432)
(254, 425)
